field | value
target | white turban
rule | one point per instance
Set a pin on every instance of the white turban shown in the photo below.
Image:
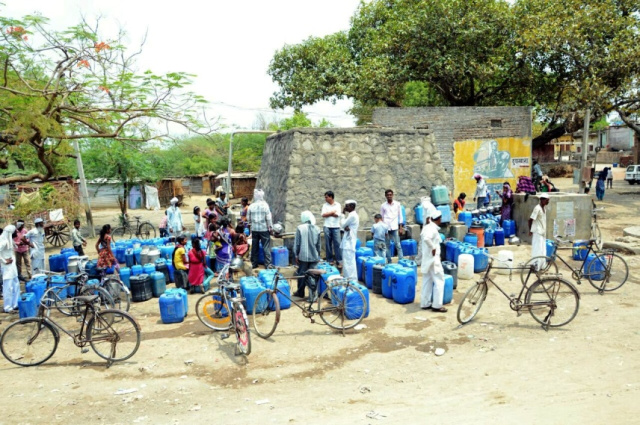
(307, 216)
(258, 195)
(173, 201)
(350, 201)
(436, 215)
(6, 239)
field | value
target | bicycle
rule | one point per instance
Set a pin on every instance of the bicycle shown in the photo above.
(112, 334)
(66, 305)
(341, 305)
(222, 308)
(547, 298)
(600, 272)
(118, 291)
(143, 229)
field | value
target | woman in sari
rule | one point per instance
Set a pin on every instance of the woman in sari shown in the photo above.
(507, 201)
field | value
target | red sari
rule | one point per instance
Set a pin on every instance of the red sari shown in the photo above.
(197, 263)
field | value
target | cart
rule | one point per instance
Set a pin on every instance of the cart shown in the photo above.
(56, 227)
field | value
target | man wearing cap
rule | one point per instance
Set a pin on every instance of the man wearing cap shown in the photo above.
(538, 227)
(260, 222)
(36, 237)
(22, 251)
(348, 245)
(432, 272)
(481, 190)
(174, 218)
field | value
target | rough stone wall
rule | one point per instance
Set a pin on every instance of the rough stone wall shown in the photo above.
(452, 124)
(300, 165)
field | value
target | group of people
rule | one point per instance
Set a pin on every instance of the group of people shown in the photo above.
(21, 255)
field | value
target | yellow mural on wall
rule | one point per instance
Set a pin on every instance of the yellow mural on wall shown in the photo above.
(497, 160)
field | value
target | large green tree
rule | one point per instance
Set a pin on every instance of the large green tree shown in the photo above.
(60, 86)
(558, 56)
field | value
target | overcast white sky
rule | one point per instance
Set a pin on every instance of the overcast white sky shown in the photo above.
(227, 44)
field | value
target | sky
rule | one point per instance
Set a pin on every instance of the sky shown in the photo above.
(227, 44)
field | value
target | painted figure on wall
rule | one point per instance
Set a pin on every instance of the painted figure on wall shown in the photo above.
(492, 162)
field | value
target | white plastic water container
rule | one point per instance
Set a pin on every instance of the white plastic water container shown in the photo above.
(505, 262)
(465, 266)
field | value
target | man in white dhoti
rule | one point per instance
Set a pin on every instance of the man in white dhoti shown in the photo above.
(432, 271)
(10, 282)
(538, 228)
(349, 240)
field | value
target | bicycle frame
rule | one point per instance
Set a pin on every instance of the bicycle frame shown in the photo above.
(579, 271)
(305, 308)
(515, 302)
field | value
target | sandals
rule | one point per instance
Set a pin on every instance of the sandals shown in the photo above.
(439, 310)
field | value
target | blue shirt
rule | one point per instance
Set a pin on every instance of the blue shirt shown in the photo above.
(379, 231)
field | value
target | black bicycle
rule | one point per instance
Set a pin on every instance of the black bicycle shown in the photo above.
(114, 335)
(141, 229)
(222, 308)
(341, 305)
(606, 272)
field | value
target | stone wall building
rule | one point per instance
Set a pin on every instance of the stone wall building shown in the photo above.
(300, 165)
(408, 150)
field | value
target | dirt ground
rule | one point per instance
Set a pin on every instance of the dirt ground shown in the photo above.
(499, 368)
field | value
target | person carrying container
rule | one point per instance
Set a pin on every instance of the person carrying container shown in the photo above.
(432, 295)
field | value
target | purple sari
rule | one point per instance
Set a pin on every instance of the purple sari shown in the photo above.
(507, 202)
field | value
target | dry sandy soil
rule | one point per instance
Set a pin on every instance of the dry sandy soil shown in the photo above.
(500, 368)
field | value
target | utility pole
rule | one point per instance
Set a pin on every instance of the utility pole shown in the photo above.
(84, 193)
(585, 149)
(230, 169)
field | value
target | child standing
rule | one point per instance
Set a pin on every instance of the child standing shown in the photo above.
(379, 231)
(163, 226)
(77, 239)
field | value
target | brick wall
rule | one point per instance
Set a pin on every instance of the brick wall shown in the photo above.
(452, 124)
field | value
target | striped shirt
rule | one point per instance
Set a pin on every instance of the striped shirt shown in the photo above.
(306, 246)
(259, 217)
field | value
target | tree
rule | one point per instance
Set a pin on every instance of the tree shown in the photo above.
(588, 58)
(474, 53)
(60, 86)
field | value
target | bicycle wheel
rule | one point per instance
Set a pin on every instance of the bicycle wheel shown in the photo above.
(29, 342)
(342, 306)
(596, 235)
(607, 272)
(552, 301)
(212, 312)
(121, 233)
(471, 302)
(146, 231)
(266, 313)
(113, 334)
(66, 305)
(119, 293)
(242, 329)
(542, 263)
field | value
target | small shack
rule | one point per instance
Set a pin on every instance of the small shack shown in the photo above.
(200, 184)
(242, 184)
(168, 189)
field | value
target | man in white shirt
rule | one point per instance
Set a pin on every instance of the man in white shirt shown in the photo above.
(432, 272)
(538, 228)
(350, 226)
(391, 213)
(481, 190)
(36, 237)
(331, 213)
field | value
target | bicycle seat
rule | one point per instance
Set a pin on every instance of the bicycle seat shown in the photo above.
(231, 286)
(315, 272)
(561, 241)
(86, 299)
(137, 217)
